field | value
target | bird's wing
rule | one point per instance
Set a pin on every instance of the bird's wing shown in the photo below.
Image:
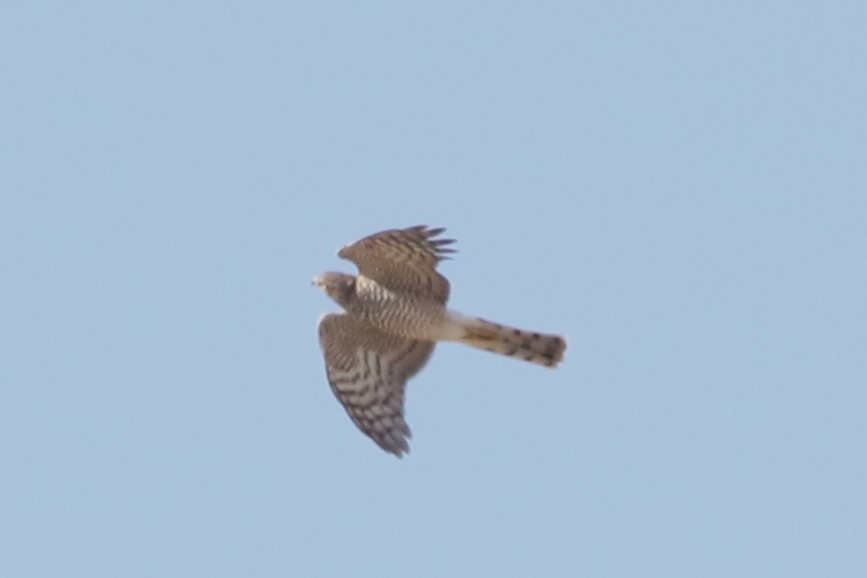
(403, 260)
(368, 371)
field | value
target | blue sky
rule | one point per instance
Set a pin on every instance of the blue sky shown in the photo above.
(680, 188)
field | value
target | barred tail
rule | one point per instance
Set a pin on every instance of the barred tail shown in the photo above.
(541, 348)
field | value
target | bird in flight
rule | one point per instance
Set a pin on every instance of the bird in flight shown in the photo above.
(394, 312)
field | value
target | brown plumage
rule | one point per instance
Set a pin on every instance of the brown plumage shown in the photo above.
(395, 312)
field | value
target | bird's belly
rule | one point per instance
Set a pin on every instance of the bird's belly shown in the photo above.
(412, 319)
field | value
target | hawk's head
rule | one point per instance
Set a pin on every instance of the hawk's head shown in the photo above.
(338, 286)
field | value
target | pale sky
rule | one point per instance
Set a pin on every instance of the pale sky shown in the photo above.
(680, 188)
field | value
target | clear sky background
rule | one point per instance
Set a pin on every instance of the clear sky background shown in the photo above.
(678, 187)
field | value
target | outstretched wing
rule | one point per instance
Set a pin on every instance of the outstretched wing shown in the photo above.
(368, 371)
(403, 260)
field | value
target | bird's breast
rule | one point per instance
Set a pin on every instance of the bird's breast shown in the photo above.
(405, 314)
